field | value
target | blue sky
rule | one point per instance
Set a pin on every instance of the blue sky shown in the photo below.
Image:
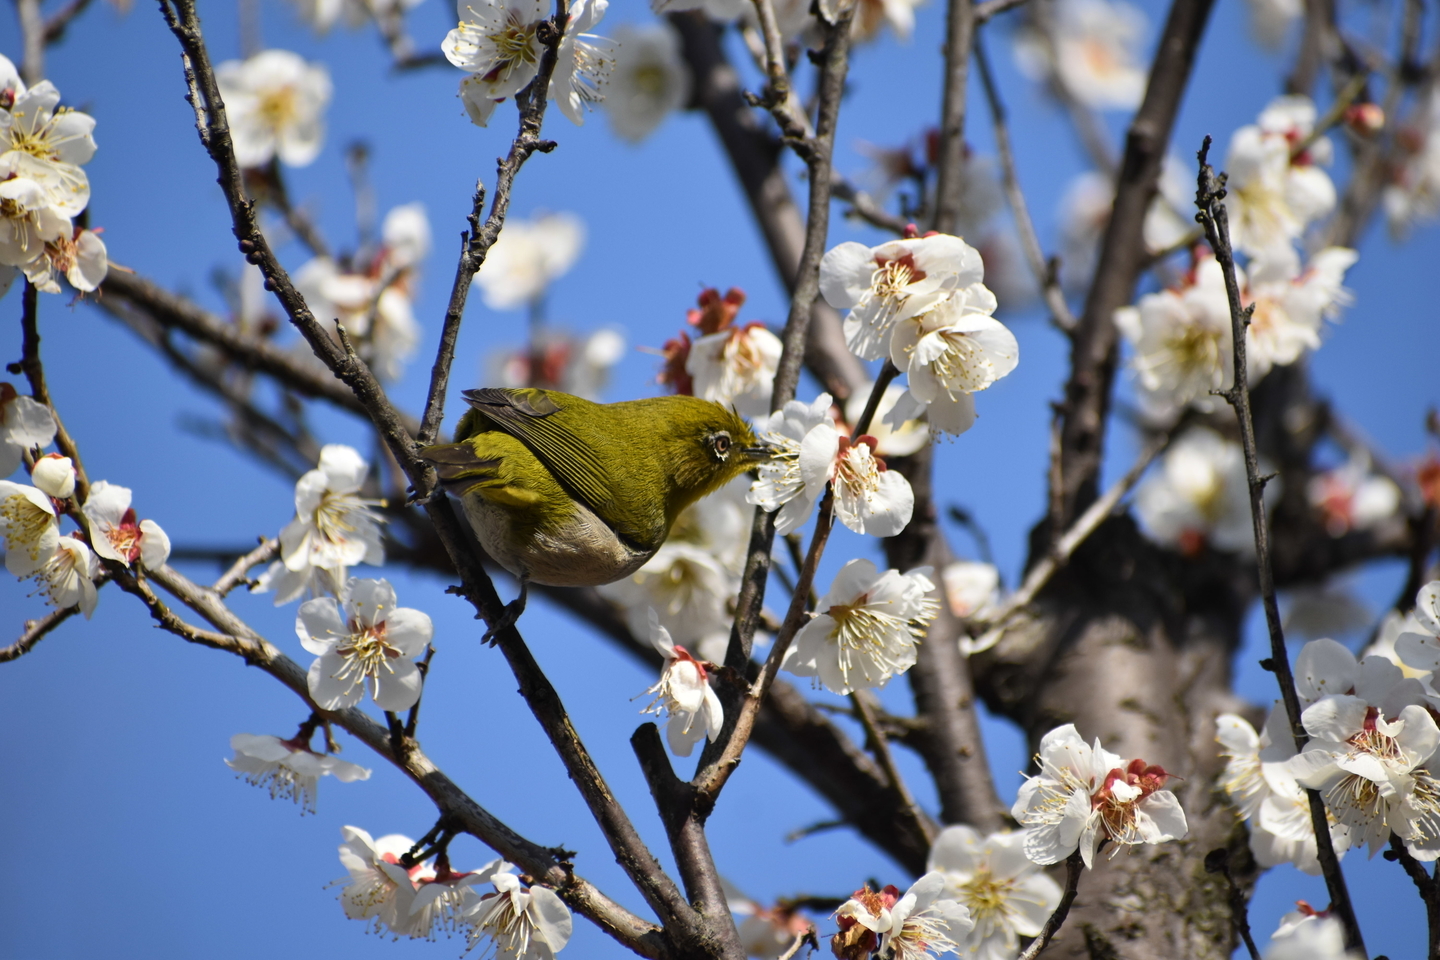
(123, 825)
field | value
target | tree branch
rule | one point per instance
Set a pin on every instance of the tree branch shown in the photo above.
(1093, 354)
(1209, 197)
(1073, 867)
(950, 164)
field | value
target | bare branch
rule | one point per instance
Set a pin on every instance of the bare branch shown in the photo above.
(232, 578)
(32, 41)
(34, 372)
(1218, 861)
(233, 635)
(475, 246)
(1066, 546)
(1073, 867)
(1122, 255)
(950, 165)
(1209, 197)
(865, 704)
(35, 631)
(56, 23)
(1045, 278)
(252, 353)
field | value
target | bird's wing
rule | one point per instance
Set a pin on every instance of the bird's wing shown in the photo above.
(458, 467)
(567, 449)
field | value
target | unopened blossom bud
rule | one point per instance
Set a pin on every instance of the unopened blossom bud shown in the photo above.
(55, 475)
(1366, 119)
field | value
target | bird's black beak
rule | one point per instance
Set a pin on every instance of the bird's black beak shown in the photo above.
(759, 453)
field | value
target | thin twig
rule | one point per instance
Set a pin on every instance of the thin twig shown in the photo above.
(476, 244)
(1029, 241)
(296, 219)
(232, 578)
(864, 702)
(56, 23)
(993, 8)
(1428, 887)
(213, 127)
(1073, 867)
(1123, 255)
(233, 635)
(1209, 197)
(34, 372)
(1081, 529)
(1218, 861)
(35, 631)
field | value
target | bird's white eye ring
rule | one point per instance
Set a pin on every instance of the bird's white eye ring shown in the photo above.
(720, 443)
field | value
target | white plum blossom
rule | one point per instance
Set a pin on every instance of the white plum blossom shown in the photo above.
(1200, 496)
(1370, 771)
(1084, 211)
(29, 527)
(784, 483)
(289, 768)
(334, 527)
(921, 923)
(685, 583)
(869, 498)
(379, 889)
(1092, 49)
(971, 587)
(524, 923)
(322, 15)
(68, 578)
(405, 236)
(496, 44)
(584, 62)
(1290, 305)
(1084, 795)
(368, 643)
(650, 79)
(47, 146)
(871, 15)
(895, 281)
(1351, 497)
(1270, 20)
(865, 628)
(1271, 195)
(893, 437)
(115, 532)
(24, 425)
(951, 352)
(275, 102)
(1005, 892)
(683, 694)
(528, 257)
(1259, 781)
(1317, 938)
(375, 308)
(1414, 191)
(55, 475)
(1182, 341)
(28, 221)
(1417, 644)
(79, 255)
(736, 367)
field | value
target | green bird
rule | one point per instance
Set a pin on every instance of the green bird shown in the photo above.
(563, 491)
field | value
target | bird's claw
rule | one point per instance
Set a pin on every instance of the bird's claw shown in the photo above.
(508, 617)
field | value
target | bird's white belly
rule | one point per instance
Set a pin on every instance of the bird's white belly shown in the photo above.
(583, 552)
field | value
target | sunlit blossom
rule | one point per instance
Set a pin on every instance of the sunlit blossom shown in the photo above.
(275, 102)
(683, 695)
(288, 768)
(368, 644)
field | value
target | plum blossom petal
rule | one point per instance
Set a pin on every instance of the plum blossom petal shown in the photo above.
(275, 102)
(29, 527)
(288, 768)
(683, 694)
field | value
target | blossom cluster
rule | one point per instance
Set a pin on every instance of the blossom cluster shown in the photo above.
(1371, 752)
(43, 189)
(1085, 796)
(416, 900)
(979, 896)
(65, 566)
(1181, 336)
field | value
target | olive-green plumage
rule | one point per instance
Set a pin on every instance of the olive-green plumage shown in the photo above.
(567, 492)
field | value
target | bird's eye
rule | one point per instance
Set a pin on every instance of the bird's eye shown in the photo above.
(720, 442)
